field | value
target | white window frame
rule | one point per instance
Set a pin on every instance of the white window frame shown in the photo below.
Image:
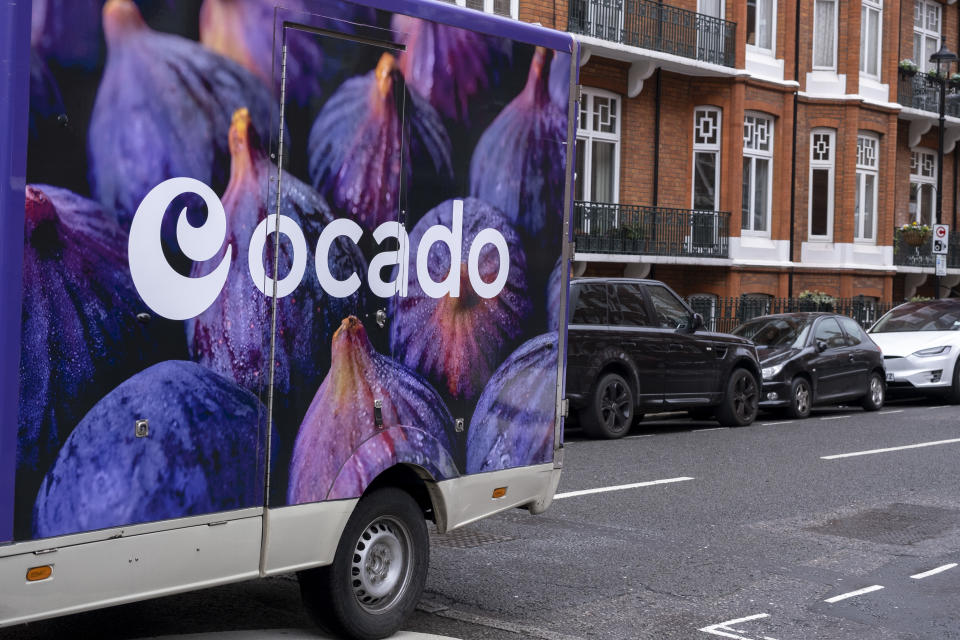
(922, 32)
(866, 7)
(836, 36)
(818, 162)
(773, 33)
(754, 154)
(917, 177)
(586, 137)
(489, 4)
(706, 147)
(865, 168)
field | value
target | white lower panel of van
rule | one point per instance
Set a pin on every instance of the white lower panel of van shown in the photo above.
(471, 498)
(304, 535)
(125, 569)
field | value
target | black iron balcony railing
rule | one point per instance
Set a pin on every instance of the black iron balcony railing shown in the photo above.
(906, 254)
(920, 91)
(653, 25)
(628, 229)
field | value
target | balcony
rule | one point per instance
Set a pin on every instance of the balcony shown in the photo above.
(907, 255)
(921, 92)
(659, 27)
(653, 231)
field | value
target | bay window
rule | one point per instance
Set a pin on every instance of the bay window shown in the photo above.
(822, 163)
(865, 205)
(757, 173)
(871, 28)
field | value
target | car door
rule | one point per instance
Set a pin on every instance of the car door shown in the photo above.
(633, 329)
(690, 366)
(830, 365)
(860, 355)
(588, 335)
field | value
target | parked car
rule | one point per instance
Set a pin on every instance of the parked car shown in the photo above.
(636, 347)
(809, 359)
(921, 347)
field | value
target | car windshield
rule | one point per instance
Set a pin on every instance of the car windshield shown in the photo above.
(935, 315)
(774, 332)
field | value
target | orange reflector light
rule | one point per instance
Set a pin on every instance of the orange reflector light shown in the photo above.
(499, 492)
(35, 574)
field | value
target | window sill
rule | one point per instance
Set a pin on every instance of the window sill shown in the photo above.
(763, 64)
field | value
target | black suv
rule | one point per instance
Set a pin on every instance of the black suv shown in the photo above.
(635, 347)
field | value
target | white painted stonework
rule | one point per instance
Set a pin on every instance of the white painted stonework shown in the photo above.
(846, 255)
(826, 84)
(754, 250)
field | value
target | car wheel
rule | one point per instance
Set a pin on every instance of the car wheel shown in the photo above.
(378, 572)
(876, 391)
(610, 412)
(953, 395)
(801, 398)
(741, 401)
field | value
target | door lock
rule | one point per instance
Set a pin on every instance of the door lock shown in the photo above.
(381, 318)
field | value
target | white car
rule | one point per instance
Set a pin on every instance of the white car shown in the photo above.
(920, 342)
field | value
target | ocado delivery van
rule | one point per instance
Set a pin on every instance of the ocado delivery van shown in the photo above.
(282, 281)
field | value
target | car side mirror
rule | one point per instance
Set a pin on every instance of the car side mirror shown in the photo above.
(696, 322)
(821, 346)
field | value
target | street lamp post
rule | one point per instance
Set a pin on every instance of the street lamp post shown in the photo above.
(942, 57)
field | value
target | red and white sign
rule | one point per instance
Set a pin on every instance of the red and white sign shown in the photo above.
(940, 234)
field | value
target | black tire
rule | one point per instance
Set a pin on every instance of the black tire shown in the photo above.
(611, 410)
(801, 398)
(953, 394)
(876, 393)
(379, 570)
(741, 401)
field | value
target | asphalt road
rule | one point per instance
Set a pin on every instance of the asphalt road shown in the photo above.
(679, 531)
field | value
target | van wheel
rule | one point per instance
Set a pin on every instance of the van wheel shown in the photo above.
(741, 400)
(378, 572)
(610, 412)
(801, 399)
(873, 401)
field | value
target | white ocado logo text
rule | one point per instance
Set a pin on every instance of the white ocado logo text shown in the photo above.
(179, 297)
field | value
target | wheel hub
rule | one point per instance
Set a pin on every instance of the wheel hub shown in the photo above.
(381, 565)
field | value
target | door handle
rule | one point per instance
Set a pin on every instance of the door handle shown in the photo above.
(850, 357)
(676, 347)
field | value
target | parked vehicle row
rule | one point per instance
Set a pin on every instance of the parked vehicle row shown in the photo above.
(636, 347)
(809, 359)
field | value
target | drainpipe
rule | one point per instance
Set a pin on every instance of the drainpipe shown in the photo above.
(793, 163)
(656, 140)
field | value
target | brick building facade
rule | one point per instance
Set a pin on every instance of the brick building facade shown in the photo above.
(761, 148)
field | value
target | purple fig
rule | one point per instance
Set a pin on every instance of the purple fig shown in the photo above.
(554, 288)
(204, 453)
(513, 425)
(232, 337)
(343, 417)
(448, 66)
(560, 79)
(67, 32)
(80, 336)
(457, 342)
(243, 31)
(162, 110)
(518, 164)
(359, 144)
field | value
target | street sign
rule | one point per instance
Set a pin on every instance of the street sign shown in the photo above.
(941, 264)
(941, 232)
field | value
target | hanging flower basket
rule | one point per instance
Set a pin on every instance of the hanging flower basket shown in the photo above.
(915, 237)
